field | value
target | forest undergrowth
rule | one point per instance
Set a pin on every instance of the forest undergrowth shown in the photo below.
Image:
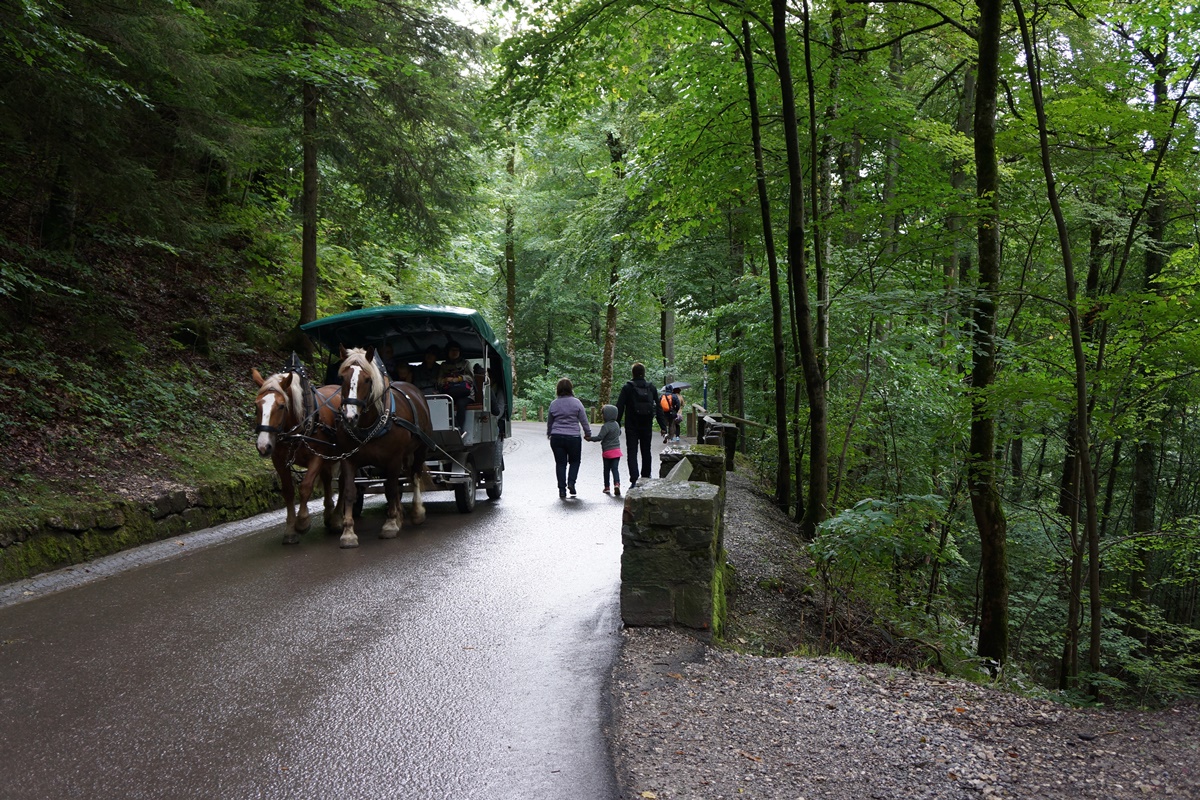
(126, 373)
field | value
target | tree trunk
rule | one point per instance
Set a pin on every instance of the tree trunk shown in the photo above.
(510, 271)
(610, 331)
(1082, 410)
(616, 154)
(736, 397)
(819, 191)
(1145, 455)
(308, 200)
(666, 331)
(783, 468)
(817, 503)
(982, 468)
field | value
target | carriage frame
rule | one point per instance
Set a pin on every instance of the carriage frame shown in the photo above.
(463, 460)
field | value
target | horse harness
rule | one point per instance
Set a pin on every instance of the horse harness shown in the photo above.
(302, 433)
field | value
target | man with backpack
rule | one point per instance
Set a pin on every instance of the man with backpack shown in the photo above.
(637, 406)
(671, 403)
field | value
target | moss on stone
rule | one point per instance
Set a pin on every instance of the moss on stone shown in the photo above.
(88, 531)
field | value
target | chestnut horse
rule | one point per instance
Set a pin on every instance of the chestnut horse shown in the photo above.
(375, 431)
(290, 434)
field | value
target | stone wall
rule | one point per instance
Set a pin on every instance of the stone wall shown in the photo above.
(105, 528)
(672, 561)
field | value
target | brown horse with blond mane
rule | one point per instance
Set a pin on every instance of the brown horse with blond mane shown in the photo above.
(377, 421)
(289, 435)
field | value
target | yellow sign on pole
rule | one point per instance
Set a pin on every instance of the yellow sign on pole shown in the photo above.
(712, 358)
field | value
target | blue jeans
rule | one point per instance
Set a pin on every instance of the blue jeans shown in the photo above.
(612, 467)
(567, 451)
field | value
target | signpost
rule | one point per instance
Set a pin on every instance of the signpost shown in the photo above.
(706, 360)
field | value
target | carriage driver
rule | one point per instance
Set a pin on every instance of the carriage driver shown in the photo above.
(456, 379)
(425, 374)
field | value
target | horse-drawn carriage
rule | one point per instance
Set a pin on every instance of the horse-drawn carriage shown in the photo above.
(465, 458)
(390, 435)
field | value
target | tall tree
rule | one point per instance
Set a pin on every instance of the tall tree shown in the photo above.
(983, 468)
(814, 380)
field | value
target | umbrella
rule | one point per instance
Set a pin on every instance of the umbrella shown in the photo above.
(681, 385)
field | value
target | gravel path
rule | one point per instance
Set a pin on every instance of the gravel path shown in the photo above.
(693, 721)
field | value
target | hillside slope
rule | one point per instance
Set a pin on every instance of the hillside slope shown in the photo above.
(129, 372)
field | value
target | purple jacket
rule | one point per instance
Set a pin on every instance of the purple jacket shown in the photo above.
(565, 417)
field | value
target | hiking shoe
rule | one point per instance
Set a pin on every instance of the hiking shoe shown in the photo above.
(571, 489)
(607, 490)
(562, 494)
(616, 491)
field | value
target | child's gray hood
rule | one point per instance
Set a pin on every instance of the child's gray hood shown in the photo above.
(610, 413)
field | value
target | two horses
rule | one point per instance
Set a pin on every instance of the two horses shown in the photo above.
(362, 421)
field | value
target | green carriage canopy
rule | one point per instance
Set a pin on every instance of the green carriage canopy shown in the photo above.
(411, 329)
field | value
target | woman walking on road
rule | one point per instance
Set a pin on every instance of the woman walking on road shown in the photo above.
(565, 418)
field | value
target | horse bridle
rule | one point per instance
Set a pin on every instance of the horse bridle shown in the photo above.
(362, 403)
(260, 428)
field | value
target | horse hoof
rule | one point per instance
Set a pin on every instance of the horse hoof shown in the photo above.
(418, 517)
(303, 525)
(291, 538)
(390, 530)
(348, 540)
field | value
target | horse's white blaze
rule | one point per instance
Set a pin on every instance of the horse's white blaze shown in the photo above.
(266, 439)
(352, 409)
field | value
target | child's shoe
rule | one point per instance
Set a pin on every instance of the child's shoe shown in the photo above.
(616, 490)
(606, 490)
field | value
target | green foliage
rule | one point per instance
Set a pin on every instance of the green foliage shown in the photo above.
(880, 553)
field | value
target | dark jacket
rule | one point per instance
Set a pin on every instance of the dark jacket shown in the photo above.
(625, 408)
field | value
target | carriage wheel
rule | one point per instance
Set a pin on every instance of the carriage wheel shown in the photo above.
(496, 486)
(464, 493)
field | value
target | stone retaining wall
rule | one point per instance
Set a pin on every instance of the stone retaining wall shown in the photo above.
(673, 557)
(105, 528)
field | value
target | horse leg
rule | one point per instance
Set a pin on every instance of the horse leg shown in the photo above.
(288, 489)
(333, 509)
(306, 487)
(346, 499)
(327, 489)
(391, 488)
(418, 505)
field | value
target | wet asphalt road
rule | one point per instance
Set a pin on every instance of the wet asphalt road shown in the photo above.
(465, 659)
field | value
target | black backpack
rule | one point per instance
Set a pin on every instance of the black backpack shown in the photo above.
(643, 399)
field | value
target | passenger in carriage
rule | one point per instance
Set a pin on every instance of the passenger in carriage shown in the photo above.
(391, 361)
(425, 374)
(331, 371)
(456, 379)
(402, 372)
(495, 377)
